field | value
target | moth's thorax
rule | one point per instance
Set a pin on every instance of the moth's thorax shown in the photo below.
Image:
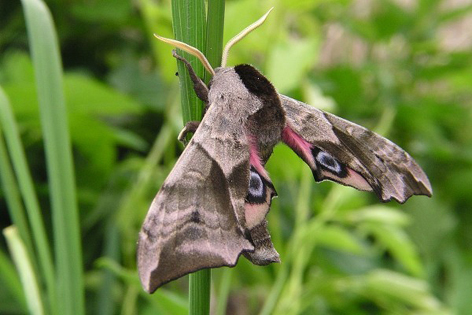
(246, 96)
(228, 93)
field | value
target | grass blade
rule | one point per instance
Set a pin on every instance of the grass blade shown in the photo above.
(7, 177)
(25, 181)
(25, 270)
(48, 73)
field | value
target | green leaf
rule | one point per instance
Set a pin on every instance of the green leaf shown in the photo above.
(99, 98)
(289, 62)
(397, 242)
(339, 238)
(378, 214)
(412, 291)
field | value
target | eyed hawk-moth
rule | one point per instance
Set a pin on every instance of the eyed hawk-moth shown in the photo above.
(213, 205)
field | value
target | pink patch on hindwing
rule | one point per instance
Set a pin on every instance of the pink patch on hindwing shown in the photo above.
(299, 145)
(260, 188)
(255, 159)
(323, 164)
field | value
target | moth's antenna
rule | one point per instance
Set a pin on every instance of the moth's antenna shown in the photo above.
(241, 35)
(191, 50)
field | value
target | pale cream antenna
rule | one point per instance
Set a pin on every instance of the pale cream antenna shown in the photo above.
(241, 35)
(191, 50)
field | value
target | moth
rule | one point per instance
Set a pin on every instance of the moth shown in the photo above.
(213, 205)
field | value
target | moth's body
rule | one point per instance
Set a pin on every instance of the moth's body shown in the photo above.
(230, 147)
(212, 206)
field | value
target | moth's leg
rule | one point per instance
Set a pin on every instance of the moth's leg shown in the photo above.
(198, 85)
(190, 126)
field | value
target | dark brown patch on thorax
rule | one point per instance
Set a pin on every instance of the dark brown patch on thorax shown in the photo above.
(266, 124)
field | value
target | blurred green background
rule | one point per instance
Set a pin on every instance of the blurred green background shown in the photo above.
(401, 68)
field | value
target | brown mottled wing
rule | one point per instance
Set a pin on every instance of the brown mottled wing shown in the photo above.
(352, 155)
(197, 219)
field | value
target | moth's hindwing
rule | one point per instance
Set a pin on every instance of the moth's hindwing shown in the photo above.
(352, 155)
(257, 205)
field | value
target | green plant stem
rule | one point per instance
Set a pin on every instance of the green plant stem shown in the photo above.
(215, 27)
(188, 18)
(190, 27)
(199, 292)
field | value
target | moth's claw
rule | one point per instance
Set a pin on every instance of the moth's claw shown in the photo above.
(182, 136)
(190, 126)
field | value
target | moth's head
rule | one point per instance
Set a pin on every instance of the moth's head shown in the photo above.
(197, 53)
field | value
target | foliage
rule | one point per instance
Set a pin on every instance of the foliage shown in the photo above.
(390, 67)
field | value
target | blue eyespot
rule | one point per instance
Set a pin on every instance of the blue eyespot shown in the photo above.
(328, 163)
(256, 186)
(257, 190)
